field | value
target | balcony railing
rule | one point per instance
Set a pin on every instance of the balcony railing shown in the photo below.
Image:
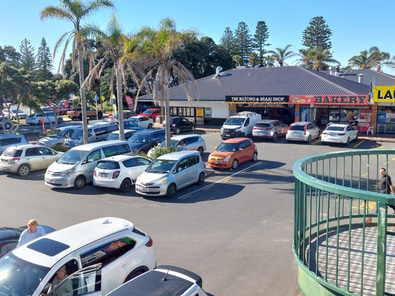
(344, 234)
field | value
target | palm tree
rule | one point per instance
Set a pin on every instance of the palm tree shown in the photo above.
(253, 59)
(112, 42)
(75, 11)
(156, 48)
(281, 54)
(369, 59)
(316, 59)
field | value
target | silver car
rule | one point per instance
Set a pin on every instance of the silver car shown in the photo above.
(183, 143)
(23, 159)
(171, 172)
(269, 129)
(302, 131)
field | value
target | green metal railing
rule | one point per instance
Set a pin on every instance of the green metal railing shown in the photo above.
(343, 235)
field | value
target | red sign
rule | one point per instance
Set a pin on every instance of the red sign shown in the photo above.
(130, 102)
(110, 116)
(329, 100)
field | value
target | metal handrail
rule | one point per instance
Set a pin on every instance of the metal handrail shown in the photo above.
(338, 214)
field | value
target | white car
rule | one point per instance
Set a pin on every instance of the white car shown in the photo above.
(142, 121)
(120, 171)
(183, 143)
(34, 118)
(302, 131)
(12, 115)
(339, 133)
(109, 248)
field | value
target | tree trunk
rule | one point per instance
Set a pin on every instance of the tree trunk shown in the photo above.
(82, 90)
(119, 100)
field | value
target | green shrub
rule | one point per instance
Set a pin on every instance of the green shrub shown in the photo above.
(161, 150)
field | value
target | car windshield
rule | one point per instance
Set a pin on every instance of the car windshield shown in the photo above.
(76, 134)
(234, 121)
(129, 124)
(72, 157)
(113, 137)
(148, 111)
(133, 119)
(18, 277)
(56, 133)
(138, 138)
(335, 128)
(228, 147)
(160, 166)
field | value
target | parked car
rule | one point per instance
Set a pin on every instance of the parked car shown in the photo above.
(143, 141)
(61, 111)
(171, 172)
(164, 280)
(142, 121)
(34, 118)
(109, 248)
(269, 129)
(9, 237)
(339, 133)
(239, 125)
(12, 114)
(152, 113)
(23, 159)
(75, 168)
(11, 140)
(302, 131)
(232, 152)
(7, 124)
(128, 133)
(120, 171)
(76, 113)
(96, 132)
(180, 124)
(58, 135)
(185, 142)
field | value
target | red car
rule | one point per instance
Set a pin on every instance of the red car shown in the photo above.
(152, 113)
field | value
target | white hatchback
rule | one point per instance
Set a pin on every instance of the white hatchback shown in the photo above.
(120, 171)
(302, 131)
(142, 121)
(47, 117)
(339, 133)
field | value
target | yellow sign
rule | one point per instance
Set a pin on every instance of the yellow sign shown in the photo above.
(199, 112)
(383, 94)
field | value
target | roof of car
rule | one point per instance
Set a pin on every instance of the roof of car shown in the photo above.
(301, 123)
(181, 137)
(120, 157)
(164, 281)
(267, 120)
(177, 155)
(150, 131)
(338, 124)
(87, 147)
(125, 131)
(27, 146)
(235, 140)
(49, 249)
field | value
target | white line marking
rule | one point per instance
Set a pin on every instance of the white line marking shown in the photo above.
(219, 181)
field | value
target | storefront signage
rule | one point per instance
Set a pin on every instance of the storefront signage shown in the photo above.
(384, 94)
(329, 100)
(264, 100)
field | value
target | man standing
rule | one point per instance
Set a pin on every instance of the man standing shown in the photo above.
(354, 123)
(386, 185)
(33, 231)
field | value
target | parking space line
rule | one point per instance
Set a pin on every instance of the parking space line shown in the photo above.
(211, 186)
(359, 143)
(219, 181)
(228, 179)
(319, 140)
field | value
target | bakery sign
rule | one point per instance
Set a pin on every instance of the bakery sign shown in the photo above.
(329, 100)
(262, 100)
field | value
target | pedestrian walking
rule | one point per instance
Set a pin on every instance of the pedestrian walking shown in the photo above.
(386, 185)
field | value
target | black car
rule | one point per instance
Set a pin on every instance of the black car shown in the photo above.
(180, 124)
(9, 237)
(143, 141)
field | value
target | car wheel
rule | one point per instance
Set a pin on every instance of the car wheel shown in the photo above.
(149, 125)
(356, 137)
(275, 137)
(192, 128)
(171, 190)
(201, 179)
(7, 125)
(323, 143)
(177, 130)
(24, 170)
(60, 120)
(201, 150)
(235, 164)
(254, 157)
(125, 185)
(79, 182)
(348, 141)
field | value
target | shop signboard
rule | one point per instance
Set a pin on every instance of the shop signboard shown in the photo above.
(329, 100)
(258, 100)
(384, 94)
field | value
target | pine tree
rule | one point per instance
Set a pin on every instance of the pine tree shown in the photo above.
(227, 41)
(10, 56)
(28, 59)
(44, 62)
(259, 41)
(317, 34)
(243, 42)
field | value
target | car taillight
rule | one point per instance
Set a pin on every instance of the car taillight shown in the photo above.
(324, 133)
(173, 124)
(115, 175)
(305, 129)
(341, 134)
(150, 242)
(16, 159)
(94, 173)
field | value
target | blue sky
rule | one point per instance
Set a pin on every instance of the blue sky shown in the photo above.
(356, 25)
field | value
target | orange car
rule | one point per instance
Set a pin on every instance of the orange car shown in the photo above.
(230, 153)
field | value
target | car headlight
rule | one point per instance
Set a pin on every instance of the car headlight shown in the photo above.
(163, 181)
(68, 172)
(227, 158)
(138, 179)
(237, 129)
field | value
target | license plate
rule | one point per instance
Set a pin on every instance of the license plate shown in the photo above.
(215, 162)
(143, 189)
(103, 175)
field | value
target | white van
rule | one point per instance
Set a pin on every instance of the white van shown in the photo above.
(239, 125)
(96, 132)
(108, 249)
(75, 168)
(58, 135)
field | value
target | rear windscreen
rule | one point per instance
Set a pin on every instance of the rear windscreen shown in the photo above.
(108, 165)
(11, 152)
(296, 128)
(262, 124)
